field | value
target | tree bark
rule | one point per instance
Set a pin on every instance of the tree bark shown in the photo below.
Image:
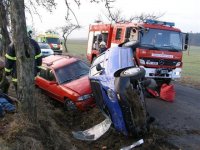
(3, 25)
(25, 60)
(65, 43)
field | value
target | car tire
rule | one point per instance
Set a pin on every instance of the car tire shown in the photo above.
(135, 75)
(68, 105)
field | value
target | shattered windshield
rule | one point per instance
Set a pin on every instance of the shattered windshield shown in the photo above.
(161, 39)
(71, 72)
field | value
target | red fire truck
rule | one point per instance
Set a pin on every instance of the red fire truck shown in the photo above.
(158, 45)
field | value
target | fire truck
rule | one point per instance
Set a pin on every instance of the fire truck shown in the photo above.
(157, 46)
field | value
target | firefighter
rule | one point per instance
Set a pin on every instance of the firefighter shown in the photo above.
(10, 66)
(102, 47)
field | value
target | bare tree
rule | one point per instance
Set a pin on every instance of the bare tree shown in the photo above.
(67, 30)
(116, 15)
(3, 25)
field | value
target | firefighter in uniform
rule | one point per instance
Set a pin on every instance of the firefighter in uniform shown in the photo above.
(10, 66)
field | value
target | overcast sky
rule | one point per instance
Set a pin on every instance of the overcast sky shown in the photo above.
(185, 14)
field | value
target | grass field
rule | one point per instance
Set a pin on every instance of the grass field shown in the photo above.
(191, 60)
(77, 47)
(191, 65)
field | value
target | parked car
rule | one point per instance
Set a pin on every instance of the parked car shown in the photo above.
(65, 79)
(45, 49)
(116, 83)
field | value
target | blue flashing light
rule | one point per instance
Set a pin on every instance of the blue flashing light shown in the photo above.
(150, 21)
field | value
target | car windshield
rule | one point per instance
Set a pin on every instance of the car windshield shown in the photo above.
(161, 39)
(71, 72)
(53, 40)
(44, 46)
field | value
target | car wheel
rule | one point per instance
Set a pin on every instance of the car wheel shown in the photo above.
(136, 73)
(69, 105)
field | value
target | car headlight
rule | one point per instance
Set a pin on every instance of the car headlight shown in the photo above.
(111, 94)
(178, 64)
(142, 62)
(84, 97)
(131, 71)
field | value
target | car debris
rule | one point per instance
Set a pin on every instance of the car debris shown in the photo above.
(93, 133)
(133, 145)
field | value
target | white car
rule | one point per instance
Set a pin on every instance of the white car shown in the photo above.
(45, 49)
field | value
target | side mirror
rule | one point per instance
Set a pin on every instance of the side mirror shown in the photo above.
(98, 67)
(186, 41)
(61, 43)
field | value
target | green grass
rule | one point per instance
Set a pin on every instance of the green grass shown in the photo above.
(191, 59)
(191, 64)
(77, 47)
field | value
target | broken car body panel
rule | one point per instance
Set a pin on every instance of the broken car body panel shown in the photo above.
(93, 133)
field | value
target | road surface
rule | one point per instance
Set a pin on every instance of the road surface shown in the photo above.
(181, 119)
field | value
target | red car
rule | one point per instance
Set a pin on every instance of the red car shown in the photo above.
(65, 79)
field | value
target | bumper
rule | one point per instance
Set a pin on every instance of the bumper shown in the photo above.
(167, 73)
(85, 105)
(57, 51)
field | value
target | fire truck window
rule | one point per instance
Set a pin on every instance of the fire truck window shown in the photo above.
(97, 40)
(105, 37)
(118, 34)
(95, 46)
(133, 35)
(128, 31)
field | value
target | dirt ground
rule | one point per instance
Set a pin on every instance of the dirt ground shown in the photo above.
(55, 126)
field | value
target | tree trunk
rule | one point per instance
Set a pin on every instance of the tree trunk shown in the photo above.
(25, 60)
(3, 25)
(65, 44)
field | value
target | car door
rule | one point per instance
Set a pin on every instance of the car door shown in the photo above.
(54, 88)
(47, 81)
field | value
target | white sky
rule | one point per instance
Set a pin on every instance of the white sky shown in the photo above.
(185, 14)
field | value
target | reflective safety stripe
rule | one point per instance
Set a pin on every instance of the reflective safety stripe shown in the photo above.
(38, 56)
(8, 70)
(14, 79)
(10, 57)
(42, 67)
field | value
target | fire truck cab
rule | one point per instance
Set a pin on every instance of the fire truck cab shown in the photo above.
(157, 45)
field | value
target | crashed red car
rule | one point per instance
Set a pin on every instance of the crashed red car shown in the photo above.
(65, 79)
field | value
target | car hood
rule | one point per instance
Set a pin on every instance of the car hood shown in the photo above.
(81, 85)
(46, 50)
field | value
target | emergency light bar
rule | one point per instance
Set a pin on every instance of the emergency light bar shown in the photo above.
(150, 21)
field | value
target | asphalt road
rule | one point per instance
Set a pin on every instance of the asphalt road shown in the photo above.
(180, 119)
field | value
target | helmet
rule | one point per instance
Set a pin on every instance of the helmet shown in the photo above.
(102, 43)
